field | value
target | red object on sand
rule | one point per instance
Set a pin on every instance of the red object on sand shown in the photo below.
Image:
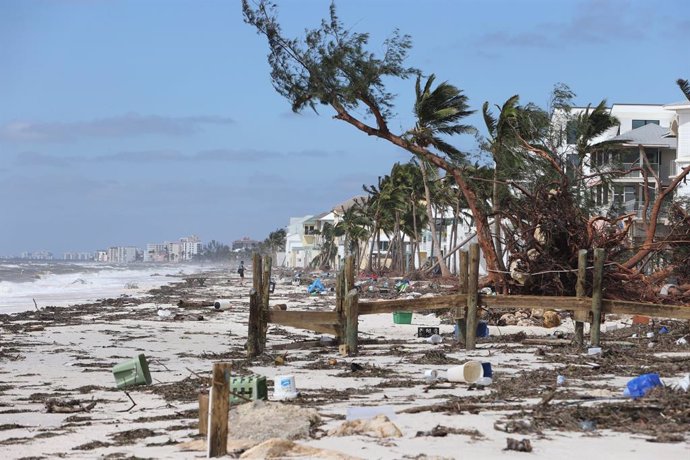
(639, 319)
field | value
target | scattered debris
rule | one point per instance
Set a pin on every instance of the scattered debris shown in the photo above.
(378, 427)
(55, 406)
(520, 446)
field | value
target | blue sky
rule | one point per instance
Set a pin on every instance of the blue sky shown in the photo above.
(127, 122)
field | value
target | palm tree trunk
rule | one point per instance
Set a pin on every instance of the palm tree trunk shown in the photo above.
(497, 221)
(416, 239)
(432, 224)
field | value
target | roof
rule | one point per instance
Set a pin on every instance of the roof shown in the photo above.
(678, 105)
(347, 204)
(649, 135)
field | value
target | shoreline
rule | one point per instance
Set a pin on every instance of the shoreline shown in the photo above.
(72, 357)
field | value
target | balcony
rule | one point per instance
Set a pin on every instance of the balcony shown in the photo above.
(637, 174)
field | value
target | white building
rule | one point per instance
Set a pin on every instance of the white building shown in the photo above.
(122, 254)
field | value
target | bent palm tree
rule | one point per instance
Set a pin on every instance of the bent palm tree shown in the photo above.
(684, 86)
(438, 112)
(501, 136)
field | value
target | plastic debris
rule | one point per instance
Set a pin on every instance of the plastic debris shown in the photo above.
(435, 339)
(560, 380)
(588, 425)
(683, 384)
(682, 341)
(640, 386)
(316, 286)
(663, 330)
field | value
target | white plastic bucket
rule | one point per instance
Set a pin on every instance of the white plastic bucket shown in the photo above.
(221, 304)
(284, 387)
(469, 372)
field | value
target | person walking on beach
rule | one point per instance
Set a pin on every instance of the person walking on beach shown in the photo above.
(240, 270)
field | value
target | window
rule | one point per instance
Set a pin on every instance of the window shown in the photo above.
(638, 123)
(383, 245)
(309, 230)
(571, 132)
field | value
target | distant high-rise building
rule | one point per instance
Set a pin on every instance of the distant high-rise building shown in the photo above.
(245, 243)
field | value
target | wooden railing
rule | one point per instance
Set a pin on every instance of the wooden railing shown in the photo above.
(342, 322)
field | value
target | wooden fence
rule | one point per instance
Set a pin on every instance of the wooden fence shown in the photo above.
(342, 322)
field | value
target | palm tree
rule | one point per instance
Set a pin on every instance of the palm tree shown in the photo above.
(684, 86)
(329, 250)
(354, 225)
(501, 138)
(438, 112)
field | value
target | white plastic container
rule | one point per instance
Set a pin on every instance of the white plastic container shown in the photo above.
(430, 375)
(469, 372)
(221, 304)
(284, 387)
(594, 351)
(435, 339)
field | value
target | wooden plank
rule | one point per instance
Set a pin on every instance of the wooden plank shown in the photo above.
(472, 298)
(595, 327)
(352, 324)
(203, 412)
(580, 291)
(427, 303)
(623, 307)
(510, 302)
(322, 328)
(219, 405)
(552, 342)
(323, 317)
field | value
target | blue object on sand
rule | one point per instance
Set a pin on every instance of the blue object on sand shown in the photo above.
(316, 286)
(639, 386)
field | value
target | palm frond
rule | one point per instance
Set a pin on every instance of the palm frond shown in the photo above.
(684, 86)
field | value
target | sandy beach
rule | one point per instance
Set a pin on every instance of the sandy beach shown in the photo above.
(51, 356)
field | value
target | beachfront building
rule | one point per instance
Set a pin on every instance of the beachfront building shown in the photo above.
(183, 250)
(648, 134)
(245, 244)
(122, 254)
(78, 256)
(299, 242)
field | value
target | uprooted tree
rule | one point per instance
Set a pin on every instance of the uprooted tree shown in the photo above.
(539, 199)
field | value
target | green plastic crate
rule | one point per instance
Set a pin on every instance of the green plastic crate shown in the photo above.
(402, 317)
(250, 387)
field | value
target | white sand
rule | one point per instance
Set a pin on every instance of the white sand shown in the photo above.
(48, 364)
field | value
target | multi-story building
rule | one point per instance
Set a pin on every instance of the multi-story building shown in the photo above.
(122, 254)
(183, 250)
(245, 244)
(651, 147)
(78, 256)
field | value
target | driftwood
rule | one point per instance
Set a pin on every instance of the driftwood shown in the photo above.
(55, 406)
(182, 303)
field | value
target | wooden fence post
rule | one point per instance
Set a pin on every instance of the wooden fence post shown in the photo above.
(472, 297)
(595, 328)
(352, 318)
(340, 305)
(265, 292)
(219, 404)
(349, 274)
(203, 412)
(580, 291)
(254, 344)
(461, 311)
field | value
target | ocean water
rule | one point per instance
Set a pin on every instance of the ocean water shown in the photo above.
(69, 283)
